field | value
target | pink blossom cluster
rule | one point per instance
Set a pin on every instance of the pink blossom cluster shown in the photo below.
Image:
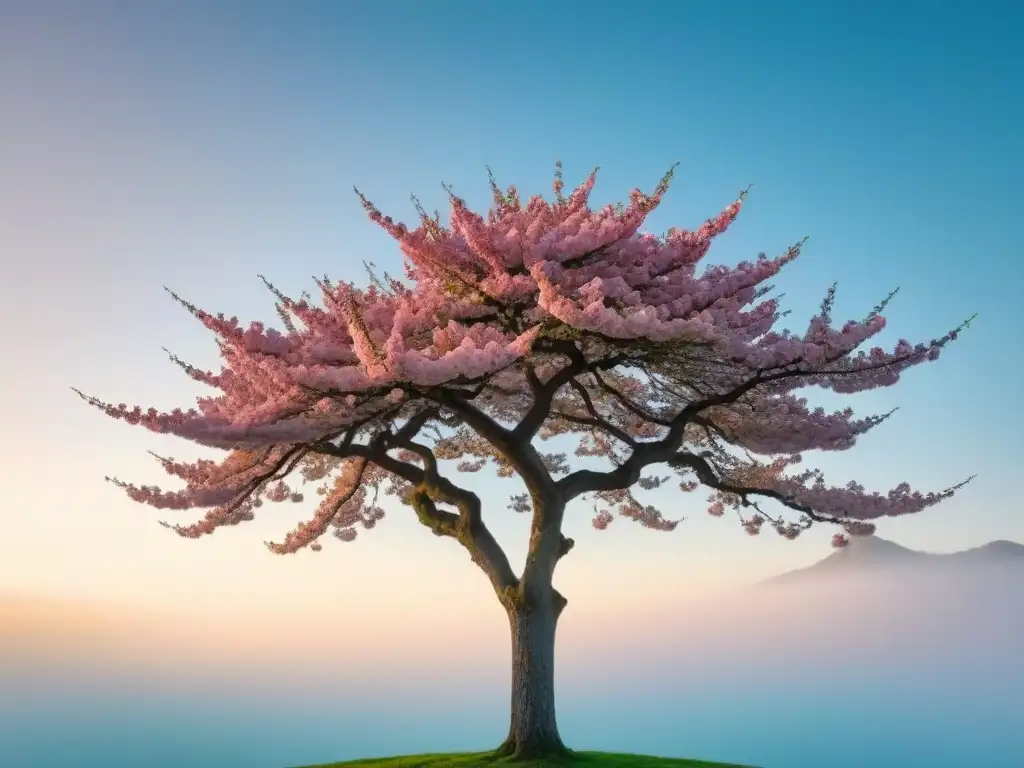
(851, 506)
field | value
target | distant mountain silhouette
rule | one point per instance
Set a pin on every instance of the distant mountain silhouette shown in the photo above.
(871, 556)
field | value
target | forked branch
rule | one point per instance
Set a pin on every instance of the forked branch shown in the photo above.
(429, 488)
(663, 450)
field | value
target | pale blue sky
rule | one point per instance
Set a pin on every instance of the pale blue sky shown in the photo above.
(195, 145)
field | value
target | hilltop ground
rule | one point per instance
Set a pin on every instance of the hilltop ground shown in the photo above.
(475, 760)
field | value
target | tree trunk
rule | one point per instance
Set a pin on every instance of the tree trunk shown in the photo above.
(533, 731)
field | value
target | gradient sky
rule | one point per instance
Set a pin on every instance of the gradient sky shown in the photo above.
(195, 145)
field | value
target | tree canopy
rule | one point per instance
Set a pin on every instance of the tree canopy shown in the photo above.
(537, 320)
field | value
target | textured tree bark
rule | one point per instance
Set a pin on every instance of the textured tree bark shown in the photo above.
(533, 730)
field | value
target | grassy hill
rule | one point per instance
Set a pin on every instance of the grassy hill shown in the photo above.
(475, 760)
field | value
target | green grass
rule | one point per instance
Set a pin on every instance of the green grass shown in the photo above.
(478, 759)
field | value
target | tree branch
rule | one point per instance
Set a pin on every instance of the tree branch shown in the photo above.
(659, 451)
(521, 455)
(544, 393)
(707, 475)
(543, 396)
(597, 423)
(628, 404)
(430, 487)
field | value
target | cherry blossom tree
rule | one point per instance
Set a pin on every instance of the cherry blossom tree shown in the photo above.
(537, 321)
